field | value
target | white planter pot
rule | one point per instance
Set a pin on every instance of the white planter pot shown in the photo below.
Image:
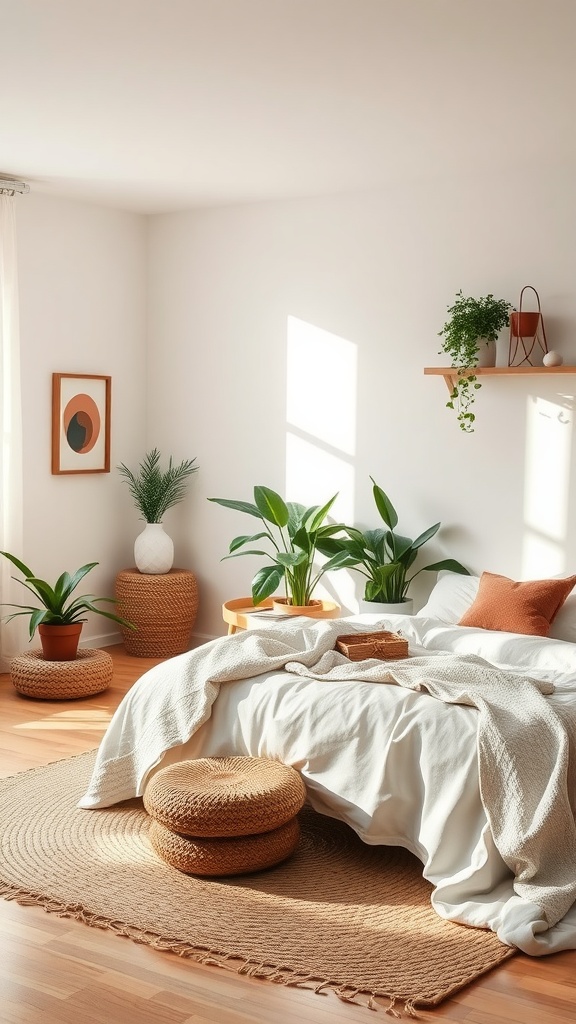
(378, 608)
(153, 550)
(486, 352)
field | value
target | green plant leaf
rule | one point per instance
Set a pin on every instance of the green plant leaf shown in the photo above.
(238, 542)
(91, 606)
(19, 565)
(80, 574)
(426, 536)
(384, 506)
(296, 513)
(334, 545)
(303, 540)
(316, 517)
(45, 592)
(446, 563)
(266, 581)
(398, 545)
(238, 506)
(61, 587)
(291, 558)
(374, 541)
(252, 551)
(341, 560)
(35, 619)
(271, 506)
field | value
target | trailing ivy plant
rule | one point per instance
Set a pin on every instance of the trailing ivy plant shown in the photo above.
(469, 320)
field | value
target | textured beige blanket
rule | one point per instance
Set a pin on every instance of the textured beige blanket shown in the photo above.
(526, 762)
(524, 747)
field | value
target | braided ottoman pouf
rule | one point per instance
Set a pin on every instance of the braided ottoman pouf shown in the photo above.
(225, 815)
(90, 673)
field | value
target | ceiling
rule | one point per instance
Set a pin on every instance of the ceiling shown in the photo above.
(158, 105)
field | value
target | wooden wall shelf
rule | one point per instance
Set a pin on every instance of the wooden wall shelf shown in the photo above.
(451, 374)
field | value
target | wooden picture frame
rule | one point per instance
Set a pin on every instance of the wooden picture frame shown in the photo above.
(81, 407)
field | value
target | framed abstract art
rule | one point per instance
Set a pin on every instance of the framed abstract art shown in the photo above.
(81, 405)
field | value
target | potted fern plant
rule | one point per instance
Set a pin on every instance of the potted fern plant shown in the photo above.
(56, 614)
(294, 534)
(154, 492)
(469, 339)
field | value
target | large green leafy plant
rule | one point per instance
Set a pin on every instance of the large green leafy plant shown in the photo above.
(294, 534)
(470, 320)
(153, 490)
(385, 557)
(54, 605)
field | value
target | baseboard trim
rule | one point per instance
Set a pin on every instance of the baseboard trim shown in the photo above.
(110, 639)
(101, 640)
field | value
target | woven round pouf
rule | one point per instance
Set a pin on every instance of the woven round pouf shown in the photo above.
(163, 608)
(238, 856)
(90, 673)
(224, 796)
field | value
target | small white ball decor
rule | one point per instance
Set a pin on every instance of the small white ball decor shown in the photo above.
(552, 359)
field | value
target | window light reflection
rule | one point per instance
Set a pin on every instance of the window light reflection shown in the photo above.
(547, 485)
(321, 385)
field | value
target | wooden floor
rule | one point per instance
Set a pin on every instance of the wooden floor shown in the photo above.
(54, 971)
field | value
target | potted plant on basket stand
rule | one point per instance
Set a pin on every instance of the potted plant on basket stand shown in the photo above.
(469, 338)
(295, 534)
(58, 616)
(385, 557)
(154, 492)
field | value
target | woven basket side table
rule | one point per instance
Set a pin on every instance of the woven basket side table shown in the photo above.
(163, 607)
(90, 673)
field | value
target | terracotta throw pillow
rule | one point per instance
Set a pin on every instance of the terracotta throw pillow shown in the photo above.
(526, 607)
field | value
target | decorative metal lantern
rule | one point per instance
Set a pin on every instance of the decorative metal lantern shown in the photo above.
(527, 334)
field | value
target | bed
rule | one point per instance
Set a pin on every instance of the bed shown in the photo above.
(464, 753)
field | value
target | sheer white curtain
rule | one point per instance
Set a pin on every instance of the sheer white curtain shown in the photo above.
(12, 635)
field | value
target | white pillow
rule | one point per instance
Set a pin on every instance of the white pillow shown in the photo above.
(451, 597)
(564, 625)
(453, 594)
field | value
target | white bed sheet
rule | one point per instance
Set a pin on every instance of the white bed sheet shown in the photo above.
(400, 767)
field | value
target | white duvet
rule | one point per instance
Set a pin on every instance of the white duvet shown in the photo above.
(400, 767)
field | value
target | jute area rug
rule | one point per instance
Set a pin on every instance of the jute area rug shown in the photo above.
(337, 915)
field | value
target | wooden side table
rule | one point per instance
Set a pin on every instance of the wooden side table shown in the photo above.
(242, 613)
(235, 612)
(163, 608)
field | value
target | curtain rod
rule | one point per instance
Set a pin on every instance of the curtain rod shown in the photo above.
(14, 186)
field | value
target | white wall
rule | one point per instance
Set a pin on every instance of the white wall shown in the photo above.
(376, 269)
(82, 272)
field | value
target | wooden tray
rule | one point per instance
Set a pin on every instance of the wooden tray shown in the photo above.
(381, 644)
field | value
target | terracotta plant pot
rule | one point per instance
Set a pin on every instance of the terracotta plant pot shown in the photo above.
(314, 610)
(524, 325)
(60, 643)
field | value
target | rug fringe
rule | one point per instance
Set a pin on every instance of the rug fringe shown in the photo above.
(279, 975)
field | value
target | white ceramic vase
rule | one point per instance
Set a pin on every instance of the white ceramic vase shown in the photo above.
(153, 550)
(379, 608)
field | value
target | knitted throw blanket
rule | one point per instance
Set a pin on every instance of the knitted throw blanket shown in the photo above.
(524, 745)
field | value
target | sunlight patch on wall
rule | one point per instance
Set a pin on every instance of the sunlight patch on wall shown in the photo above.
(313, 475)
(549, 428)
(321, 431)
(321, 385)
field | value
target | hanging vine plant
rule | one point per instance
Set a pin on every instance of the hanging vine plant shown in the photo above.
(469, 321)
